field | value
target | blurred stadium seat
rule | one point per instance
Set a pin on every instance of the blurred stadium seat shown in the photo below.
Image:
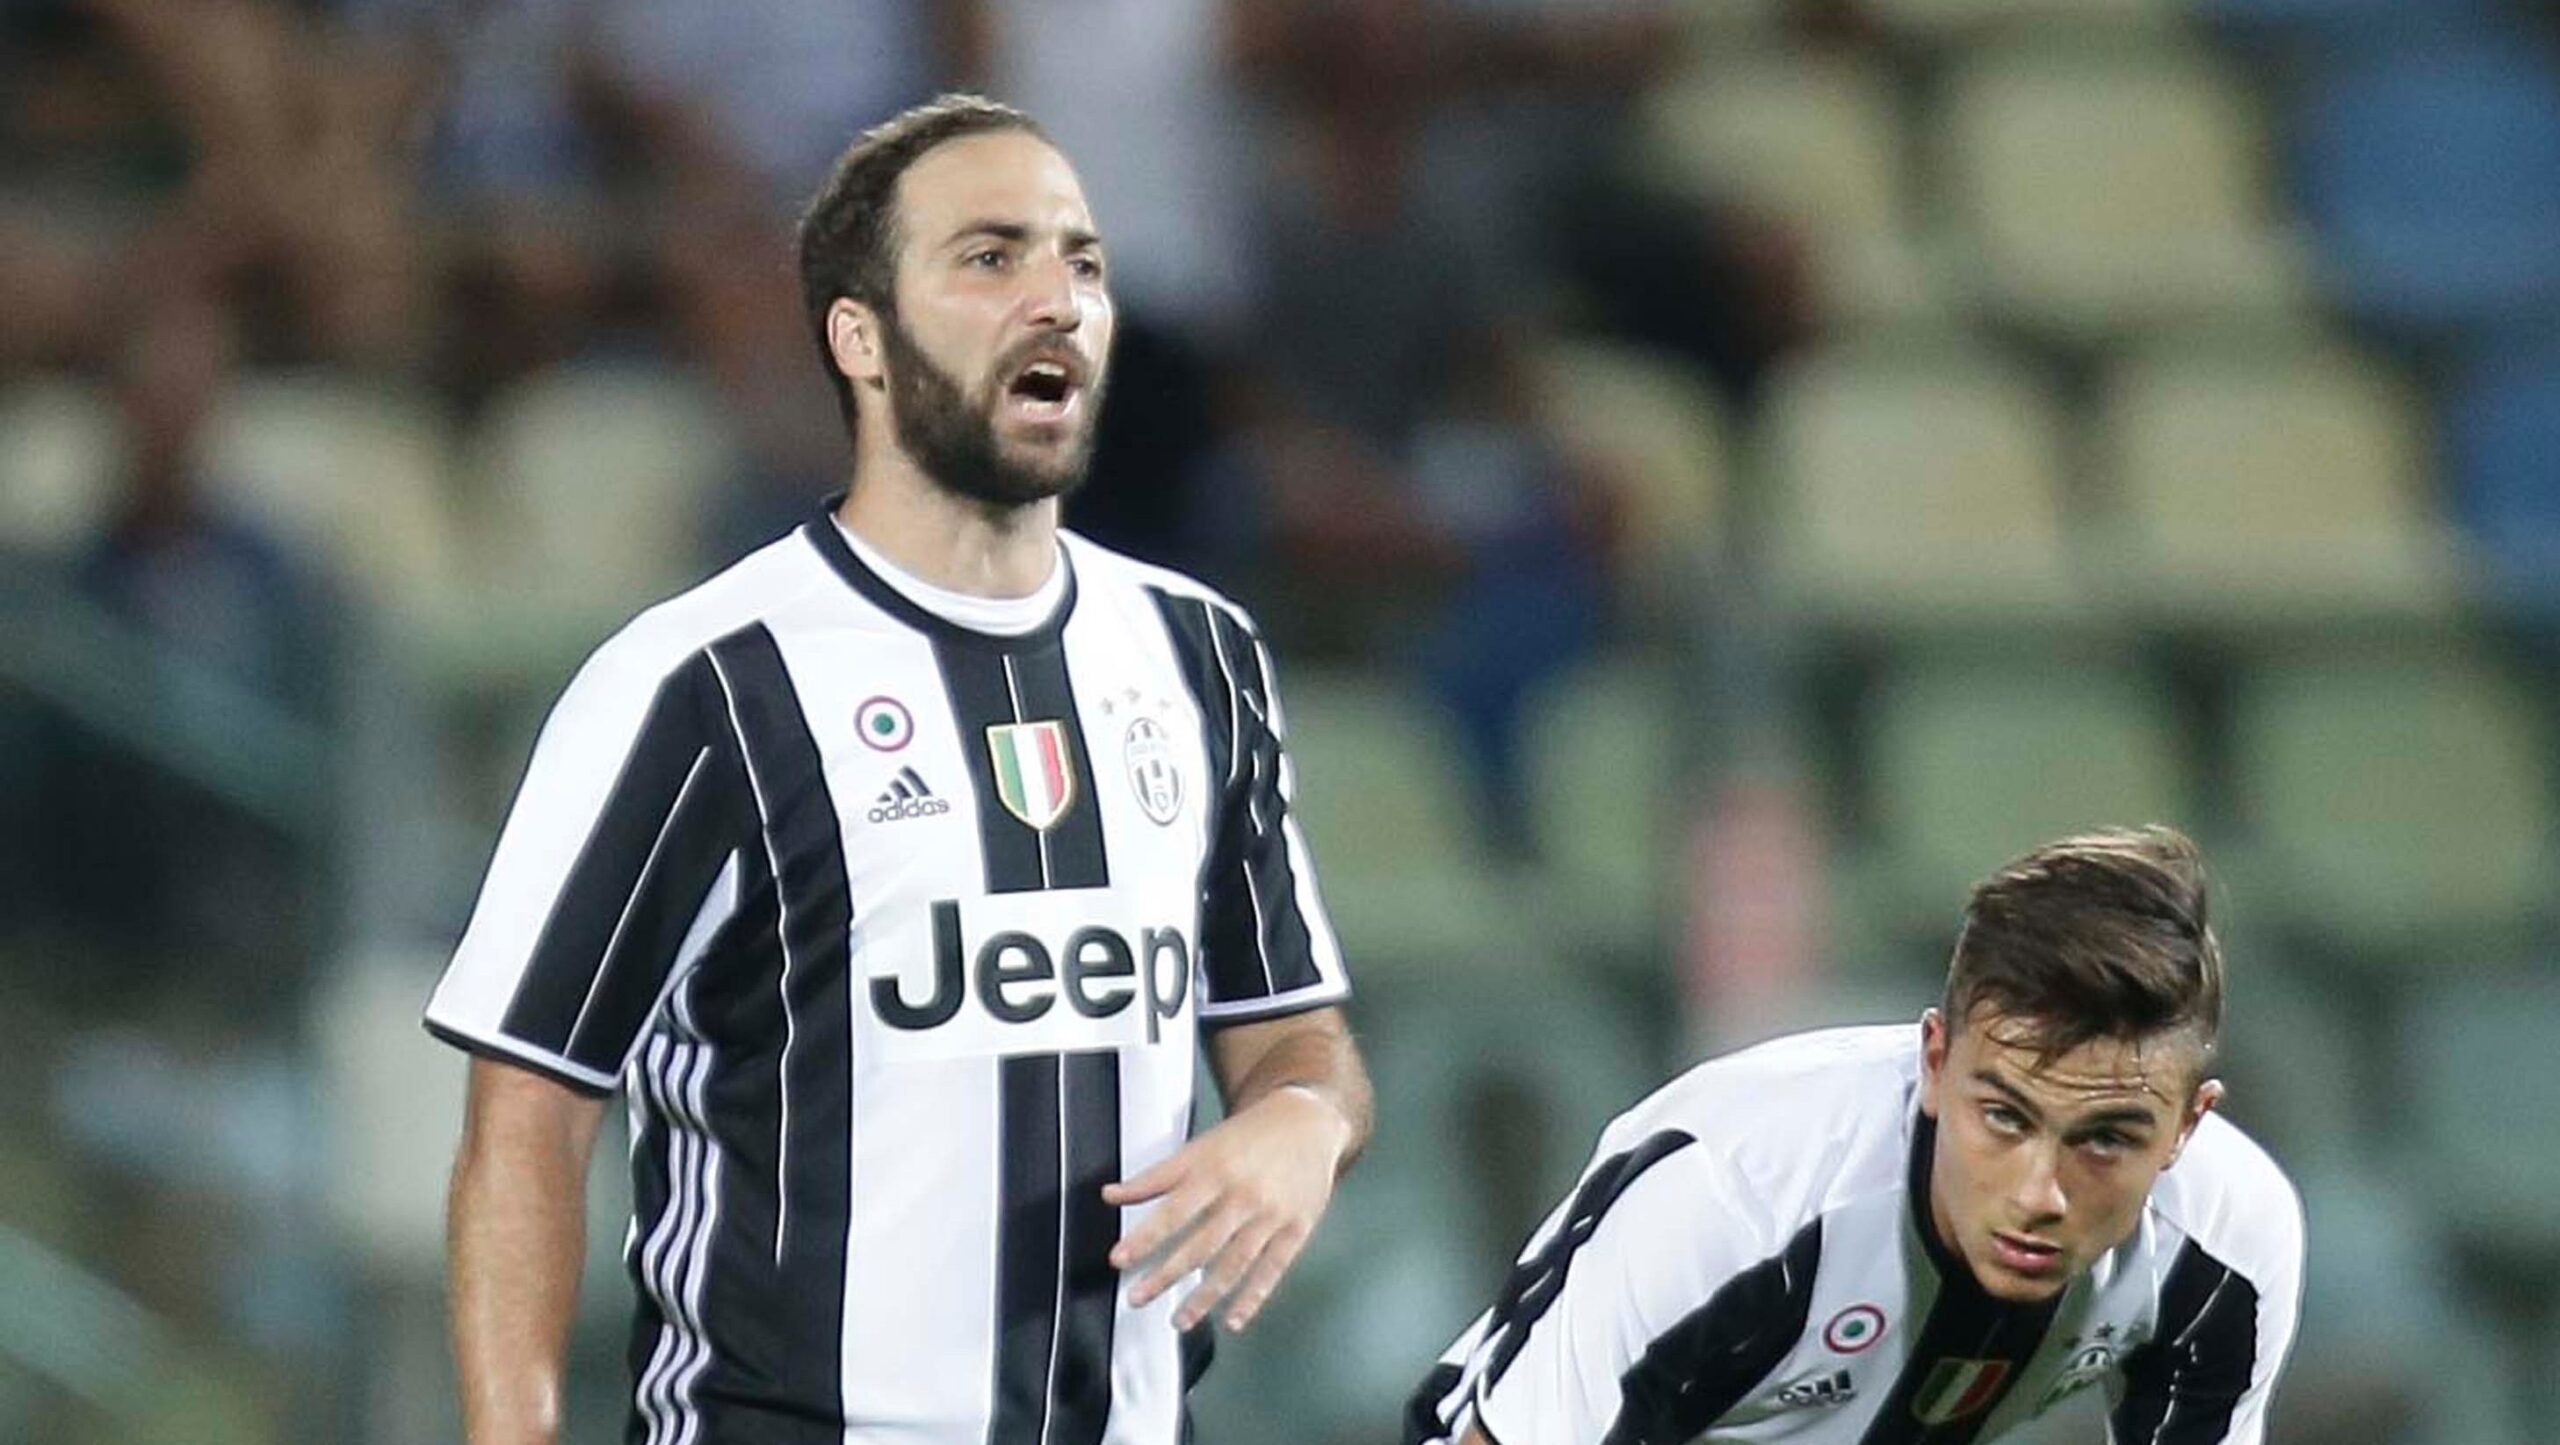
(58, 455)
(1385, 802)
(1971, 763)
(1658, 435)
(2111, 187)
(590, 487)
(2401, 804)
(1812, 140)
(2268, 482)
(2329, 22)
(2485, 1105)
(1969, 20)
(359, 475)
(2431, 175)
(2502, 433)
(1915, 484)
(1607, 792)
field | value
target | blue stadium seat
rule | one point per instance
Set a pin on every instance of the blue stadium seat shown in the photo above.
(2327, 19)
(2502, 442)
(2432, 177)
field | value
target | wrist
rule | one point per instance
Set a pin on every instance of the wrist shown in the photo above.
(1337, 1122)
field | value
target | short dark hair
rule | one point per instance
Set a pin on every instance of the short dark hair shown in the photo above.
(849, 234)
(2099, 936)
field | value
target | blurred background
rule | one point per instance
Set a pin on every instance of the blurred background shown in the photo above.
(1719, 477)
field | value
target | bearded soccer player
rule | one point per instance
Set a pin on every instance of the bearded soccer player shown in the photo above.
(1897, 1236)
(894, 875)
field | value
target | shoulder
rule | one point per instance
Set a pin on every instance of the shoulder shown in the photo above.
(2229, 1196)
(662, 639)
(1101, 570)
(1799, 1124)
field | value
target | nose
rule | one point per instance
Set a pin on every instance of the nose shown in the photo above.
(1050, 295)
(2038, 1196)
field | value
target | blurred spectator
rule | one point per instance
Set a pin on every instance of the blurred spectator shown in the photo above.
(144, 863)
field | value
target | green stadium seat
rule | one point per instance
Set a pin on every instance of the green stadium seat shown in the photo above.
(590, 487)
(1387, 807)
(2104, 189)
(2397, 803)
(2276, 481)
(1812, 140)
(59, 445)
(1972, 763)
(1657, 432)
(1915, 485)
(359, 475)
(2484, 1105)
(1607, 780)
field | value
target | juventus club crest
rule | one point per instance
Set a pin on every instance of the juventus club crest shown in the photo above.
(1035, 776)
(1153, 775)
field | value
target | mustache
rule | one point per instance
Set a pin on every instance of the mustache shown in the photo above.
(1064, 354)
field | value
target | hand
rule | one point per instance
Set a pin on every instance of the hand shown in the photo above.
(1241, 1199)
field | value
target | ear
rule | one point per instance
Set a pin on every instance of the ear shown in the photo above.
(1933, 1058)
(853, 339)
(2208, 1095)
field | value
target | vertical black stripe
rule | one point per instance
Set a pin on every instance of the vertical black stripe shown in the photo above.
(1077, 858)
(1716, 1354)
(1964, 1324)
(1090, 1292)
(1537, 1281)
(2182, 1385)
(1056, 1292)
(780, 1104)
(1030, 1240)
(974, 679)
(652, 1160)
(563, 970)
(1230, 957)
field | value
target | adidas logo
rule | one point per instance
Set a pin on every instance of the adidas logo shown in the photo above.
(1832, 1389)
(906, 797)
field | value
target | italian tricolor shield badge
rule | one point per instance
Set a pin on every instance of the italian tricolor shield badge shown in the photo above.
(1957, 1388)
(1033, 775)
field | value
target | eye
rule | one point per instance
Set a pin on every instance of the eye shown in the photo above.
(1089, 267)
(2004, 1119)
(2108, 1143)
(985, 258)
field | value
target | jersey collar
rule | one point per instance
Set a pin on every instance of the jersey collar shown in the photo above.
(822, 534)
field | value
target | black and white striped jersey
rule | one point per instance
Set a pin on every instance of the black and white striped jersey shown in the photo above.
(1745, 1260)
(898, 938)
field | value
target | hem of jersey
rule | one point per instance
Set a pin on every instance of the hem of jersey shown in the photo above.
(525, 1056)
(1472, 1414)
(822, 534)
(1253, 1010)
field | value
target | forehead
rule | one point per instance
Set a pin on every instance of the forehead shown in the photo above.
(1007, 176)
(2155, 1073)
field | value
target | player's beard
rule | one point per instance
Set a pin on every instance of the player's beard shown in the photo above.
(951, 433)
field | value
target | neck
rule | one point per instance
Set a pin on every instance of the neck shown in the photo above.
(973, 548)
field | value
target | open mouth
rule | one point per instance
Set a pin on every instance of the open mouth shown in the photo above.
(1043, 390)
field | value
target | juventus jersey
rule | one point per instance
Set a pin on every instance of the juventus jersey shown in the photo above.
(898, 939)
(1745, 1260)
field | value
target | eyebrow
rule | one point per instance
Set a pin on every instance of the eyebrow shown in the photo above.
(1075, 239)
(2123, 1115)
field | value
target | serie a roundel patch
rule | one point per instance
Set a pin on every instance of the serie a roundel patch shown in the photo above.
(885, 724)
(1853, 1329)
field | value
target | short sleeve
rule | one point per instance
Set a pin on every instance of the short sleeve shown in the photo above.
(619, 860)
(1652, 1303)
(1267, 946)
(2227, 1318)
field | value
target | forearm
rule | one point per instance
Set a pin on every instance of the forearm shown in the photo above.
(1318, 1058)
(517, 1244)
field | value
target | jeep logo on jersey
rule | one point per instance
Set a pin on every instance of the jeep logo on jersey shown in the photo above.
(1957, 1388)
(1033, 774)
(1153, 775)
(1018, 978)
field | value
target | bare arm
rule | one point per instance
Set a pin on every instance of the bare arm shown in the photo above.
(516, 1237)
(1242, 1200)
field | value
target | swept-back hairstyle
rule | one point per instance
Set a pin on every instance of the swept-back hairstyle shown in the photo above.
(849, 237)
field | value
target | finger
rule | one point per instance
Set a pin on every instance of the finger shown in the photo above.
(1188, 1254)
(1161, 1179)
(1162, 1223)
(1225, 1272)
(1268, 1271)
